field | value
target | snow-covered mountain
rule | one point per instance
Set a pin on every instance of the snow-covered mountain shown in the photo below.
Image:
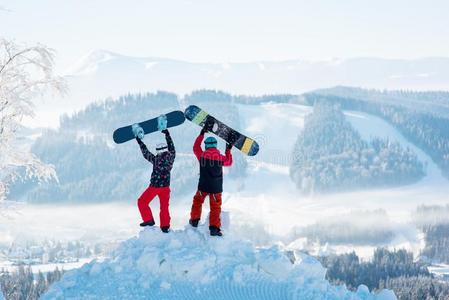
(188, 264)
(259, 77)
(103, 74)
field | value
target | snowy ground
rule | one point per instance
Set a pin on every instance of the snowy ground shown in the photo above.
(441, 270)
(189, 264)
(267, 207)
(44, 268)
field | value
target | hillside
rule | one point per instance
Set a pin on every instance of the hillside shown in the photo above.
(91, 168)
(421, 117)
(188, 264)
(330, 155)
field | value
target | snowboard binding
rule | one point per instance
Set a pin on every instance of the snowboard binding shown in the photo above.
(161, 122)
(209, 124)
(138, 131)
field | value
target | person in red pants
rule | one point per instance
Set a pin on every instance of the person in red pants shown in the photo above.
(160, 182)
(210, 182)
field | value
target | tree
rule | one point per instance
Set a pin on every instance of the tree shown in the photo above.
(25, 73)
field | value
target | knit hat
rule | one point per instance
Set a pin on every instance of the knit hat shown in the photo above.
(210, 142)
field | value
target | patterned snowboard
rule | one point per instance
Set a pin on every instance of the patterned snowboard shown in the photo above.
(127, 133)
(200, 117)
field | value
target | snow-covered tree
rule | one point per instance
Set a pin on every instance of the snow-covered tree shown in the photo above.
(330, 155)
(25, 73)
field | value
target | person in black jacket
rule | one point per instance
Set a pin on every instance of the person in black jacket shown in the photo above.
(210, 182)
(160, 182)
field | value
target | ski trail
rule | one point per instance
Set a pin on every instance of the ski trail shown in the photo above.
(269, 196)
(275, 127)
(370, 126)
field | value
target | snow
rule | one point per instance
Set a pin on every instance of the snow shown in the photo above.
(90, 63)
(44, 268)
(266, 203)
(150, 65)
(275, 127)
(370, 126)
(440, 270)
(270, 199)
(102, 74)
(268, 207)
(189, 264)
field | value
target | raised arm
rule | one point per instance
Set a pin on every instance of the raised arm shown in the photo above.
(197, 145)
(170, 144)
(227, 160)
(146, 153)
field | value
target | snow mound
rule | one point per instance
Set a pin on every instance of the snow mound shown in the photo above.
(188, 264)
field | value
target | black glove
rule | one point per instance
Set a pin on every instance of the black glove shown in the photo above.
(203, 130)
(165, 131)
(228, 146)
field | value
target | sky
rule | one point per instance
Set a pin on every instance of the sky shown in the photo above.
(231, 30)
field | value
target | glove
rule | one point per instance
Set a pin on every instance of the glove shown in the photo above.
(203, 130)
(228, 146)
(165, 131)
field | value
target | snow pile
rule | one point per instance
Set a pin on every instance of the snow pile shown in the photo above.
(188, 264)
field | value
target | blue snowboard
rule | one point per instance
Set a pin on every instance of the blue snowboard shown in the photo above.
(130, 132)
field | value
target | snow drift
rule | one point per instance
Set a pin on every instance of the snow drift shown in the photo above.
(188, 264)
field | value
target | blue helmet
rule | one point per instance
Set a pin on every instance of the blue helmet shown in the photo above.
(210, 142)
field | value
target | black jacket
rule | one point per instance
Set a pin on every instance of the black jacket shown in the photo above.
(211, 167)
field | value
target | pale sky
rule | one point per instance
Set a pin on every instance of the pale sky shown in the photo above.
(232, 30)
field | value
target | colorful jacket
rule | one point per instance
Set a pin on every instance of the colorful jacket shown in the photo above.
(211, 166)
(162, 163)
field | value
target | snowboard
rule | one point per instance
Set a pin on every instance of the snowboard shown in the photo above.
(200, 117)
(127, 133)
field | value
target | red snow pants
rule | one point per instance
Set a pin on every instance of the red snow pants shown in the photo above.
(144, 204)
(215, 207)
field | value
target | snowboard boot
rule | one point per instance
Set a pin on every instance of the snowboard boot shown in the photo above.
(147, 223)
(165, 229)
(194, 223)
(215, 231)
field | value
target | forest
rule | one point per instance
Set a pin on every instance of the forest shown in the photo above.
(396, 270)
(433, 222)
(90, 168)
(23, 284)
(329, 155)
(422, 117)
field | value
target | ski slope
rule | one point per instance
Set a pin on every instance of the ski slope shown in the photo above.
(370, 126)
(188, 264)
(270, 198)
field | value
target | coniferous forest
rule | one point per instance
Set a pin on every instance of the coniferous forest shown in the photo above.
(330, 155)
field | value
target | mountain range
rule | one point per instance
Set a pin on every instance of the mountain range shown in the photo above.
(102, 74)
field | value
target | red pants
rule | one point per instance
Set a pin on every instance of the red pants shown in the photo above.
(164, 198)
(215, 207)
